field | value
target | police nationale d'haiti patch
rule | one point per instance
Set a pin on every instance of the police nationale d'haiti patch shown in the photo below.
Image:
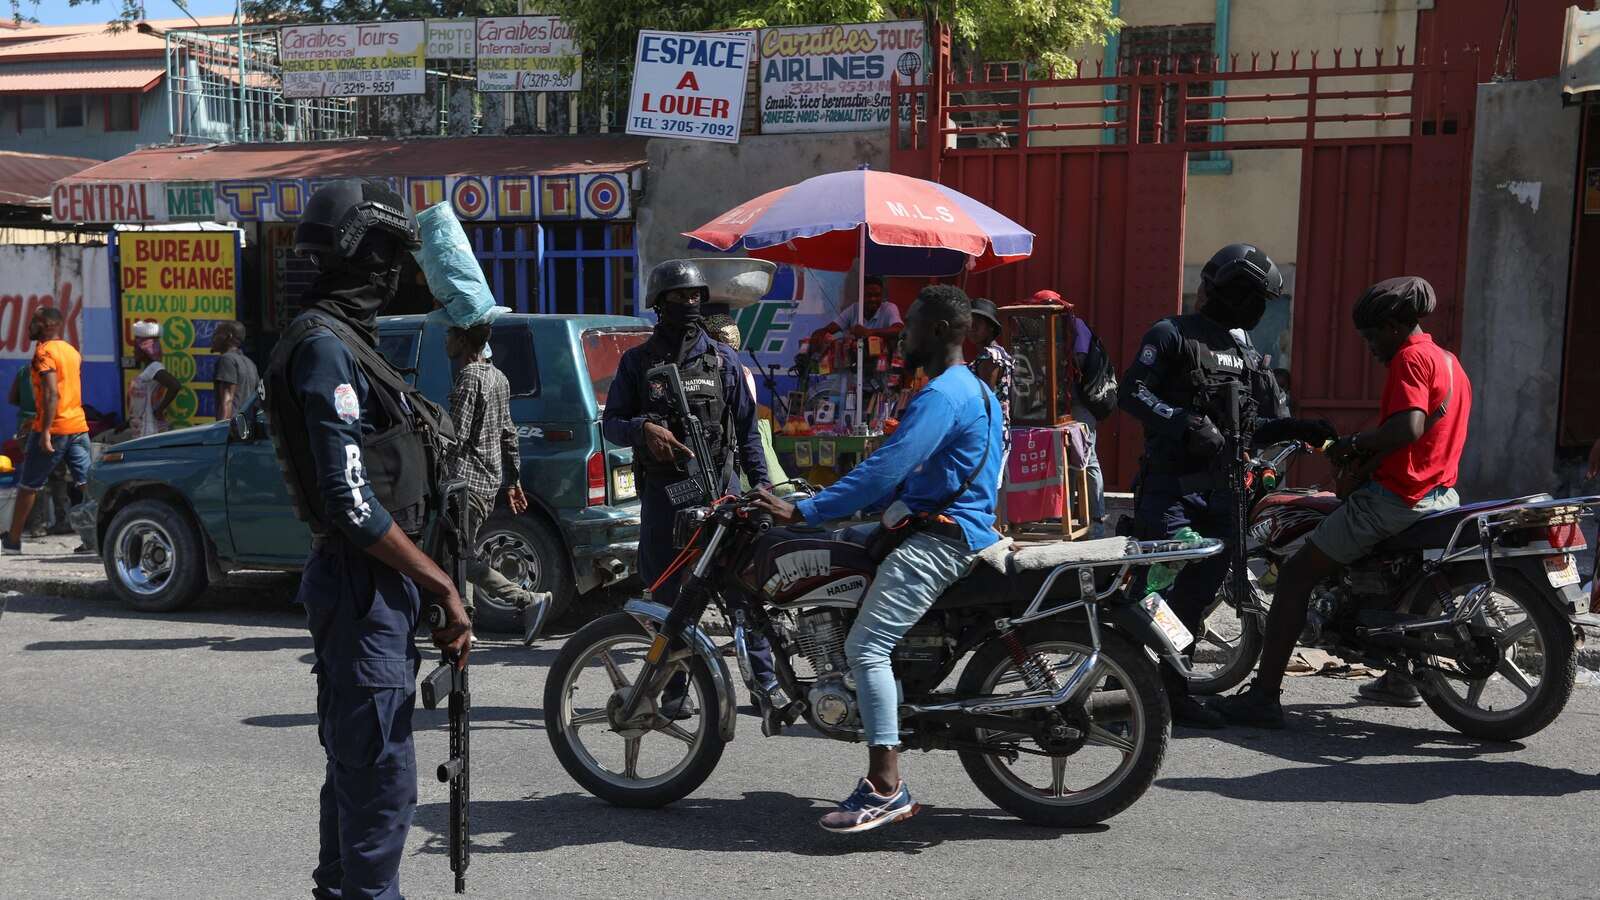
(1147, 355)
(345, 403)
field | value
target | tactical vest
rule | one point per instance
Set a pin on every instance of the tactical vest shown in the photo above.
(403, 456)
(702, 386)
(1212, 357)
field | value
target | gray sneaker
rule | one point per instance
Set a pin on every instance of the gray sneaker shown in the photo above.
(1393, 688)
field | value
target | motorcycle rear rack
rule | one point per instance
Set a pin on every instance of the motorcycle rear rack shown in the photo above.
(1149, 553)
(1492, 524)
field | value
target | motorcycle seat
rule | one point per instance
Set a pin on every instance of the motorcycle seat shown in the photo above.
(1433, 531)
(1015, 573)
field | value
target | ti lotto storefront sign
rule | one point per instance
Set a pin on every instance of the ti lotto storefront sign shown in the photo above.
(475, 198)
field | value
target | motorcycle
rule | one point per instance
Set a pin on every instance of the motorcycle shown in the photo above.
(1057, 713)
(1481, 605)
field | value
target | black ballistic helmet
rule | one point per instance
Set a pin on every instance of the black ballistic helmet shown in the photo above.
(673, 275)
(342, 214)
(1239, 279)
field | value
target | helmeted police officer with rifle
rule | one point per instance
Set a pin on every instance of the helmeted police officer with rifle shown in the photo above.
(1203, 395)
(358, 448)
(640, 413)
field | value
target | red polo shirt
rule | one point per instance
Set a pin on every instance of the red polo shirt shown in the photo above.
(1425, 376)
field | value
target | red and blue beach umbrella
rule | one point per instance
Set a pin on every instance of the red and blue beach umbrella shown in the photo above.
(912, 226)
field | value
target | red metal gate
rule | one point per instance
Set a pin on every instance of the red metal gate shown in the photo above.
(1109, 215)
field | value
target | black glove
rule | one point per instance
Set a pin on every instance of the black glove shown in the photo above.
(1315, 432)
(1202, 439)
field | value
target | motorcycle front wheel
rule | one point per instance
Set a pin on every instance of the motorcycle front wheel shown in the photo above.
(1228, 645)
(648, 761)
(1118, 731)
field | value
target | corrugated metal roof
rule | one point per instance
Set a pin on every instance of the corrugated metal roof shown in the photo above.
(25, 178)
(507, 155)
(91, 44)
(79, 77)
(13, 33)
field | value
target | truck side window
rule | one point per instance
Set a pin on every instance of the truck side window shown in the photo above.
(512, 344)
(400, 349)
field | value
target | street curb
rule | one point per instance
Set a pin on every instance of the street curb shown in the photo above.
(100, 590)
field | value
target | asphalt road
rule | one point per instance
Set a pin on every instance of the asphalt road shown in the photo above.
(176, 756)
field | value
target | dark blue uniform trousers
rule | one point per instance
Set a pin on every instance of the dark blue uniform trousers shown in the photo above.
(362, 616)
(1161, 511)
(656, 555)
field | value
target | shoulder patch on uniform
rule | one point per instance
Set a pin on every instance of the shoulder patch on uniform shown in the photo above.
(1147, 355)
(345, 403)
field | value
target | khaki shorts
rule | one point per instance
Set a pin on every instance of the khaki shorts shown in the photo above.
(1371, 515)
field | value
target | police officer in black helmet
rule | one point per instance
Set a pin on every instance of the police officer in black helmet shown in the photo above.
(713, 382)
(355, 445)
(1183, 365)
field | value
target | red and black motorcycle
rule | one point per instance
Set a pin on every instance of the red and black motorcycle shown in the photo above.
(1481, 604)
(1056, 711)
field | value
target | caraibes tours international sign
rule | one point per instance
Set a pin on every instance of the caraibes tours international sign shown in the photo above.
(836, 77)
(364, 59)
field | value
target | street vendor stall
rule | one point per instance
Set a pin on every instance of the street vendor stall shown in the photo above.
(876, 222)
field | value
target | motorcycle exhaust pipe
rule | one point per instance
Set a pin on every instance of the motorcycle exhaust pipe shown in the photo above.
(1109, 706)
(611, 569)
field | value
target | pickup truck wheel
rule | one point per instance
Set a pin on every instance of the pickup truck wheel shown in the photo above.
(524, 550)
(153, 557)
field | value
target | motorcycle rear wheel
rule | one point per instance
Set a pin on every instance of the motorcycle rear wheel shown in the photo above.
(1140, 736)
(581, 692)
(1529, 630)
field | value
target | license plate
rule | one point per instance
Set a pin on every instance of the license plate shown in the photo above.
(1155, 606)
(1561, 570)
(622, 486)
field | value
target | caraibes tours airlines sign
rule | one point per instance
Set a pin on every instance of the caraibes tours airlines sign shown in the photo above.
(836, 77)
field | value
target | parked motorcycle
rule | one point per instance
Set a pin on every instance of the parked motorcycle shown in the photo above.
(1057, 713)
(1481, 604)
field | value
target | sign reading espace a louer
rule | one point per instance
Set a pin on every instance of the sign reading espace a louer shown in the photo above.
(689, 85)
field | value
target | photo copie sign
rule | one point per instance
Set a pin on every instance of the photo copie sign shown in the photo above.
(689, 85)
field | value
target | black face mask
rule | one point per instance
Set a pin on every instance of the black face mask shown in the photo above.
(675, 320)
(355, 297)
(1235, 312)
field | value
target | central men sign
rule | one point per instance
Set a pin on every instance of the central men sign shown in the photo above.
(689, 85)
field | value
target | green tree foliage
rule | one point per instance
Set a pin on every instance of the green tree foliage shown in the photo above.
(1043, 32)
(1040, 31)
(373, 10)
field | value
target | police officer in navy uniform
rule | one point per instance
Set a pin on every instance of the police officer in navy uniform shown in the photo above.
(1173, 388)
(354, 445)
(713, 382)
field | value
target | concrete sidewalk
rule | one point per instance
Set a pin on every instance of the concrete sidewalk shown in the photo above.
(48, 567)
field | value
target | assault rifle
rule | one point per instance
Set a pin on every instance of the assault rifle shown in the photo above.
(664, 381)
(1237, 409)
(447, 681)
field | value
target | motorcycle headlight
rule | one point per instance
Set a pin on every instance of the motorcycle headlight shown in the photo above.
(686, 522)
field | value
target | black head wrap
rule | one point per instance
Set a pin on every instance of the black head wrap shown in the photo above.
(1407, 300)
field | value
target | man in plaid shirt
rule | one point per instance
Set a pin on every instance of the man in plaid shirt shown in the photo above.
(487, 456)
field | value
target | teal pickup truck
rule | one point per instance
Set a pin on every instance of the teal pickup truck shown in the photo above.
(172, 511)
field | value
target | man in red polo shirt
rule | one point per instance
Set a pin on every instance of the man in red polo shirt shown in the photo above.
(1409, 464)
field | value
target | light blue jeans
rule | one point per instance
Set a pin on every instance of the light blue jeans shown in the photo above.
(906, 585)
